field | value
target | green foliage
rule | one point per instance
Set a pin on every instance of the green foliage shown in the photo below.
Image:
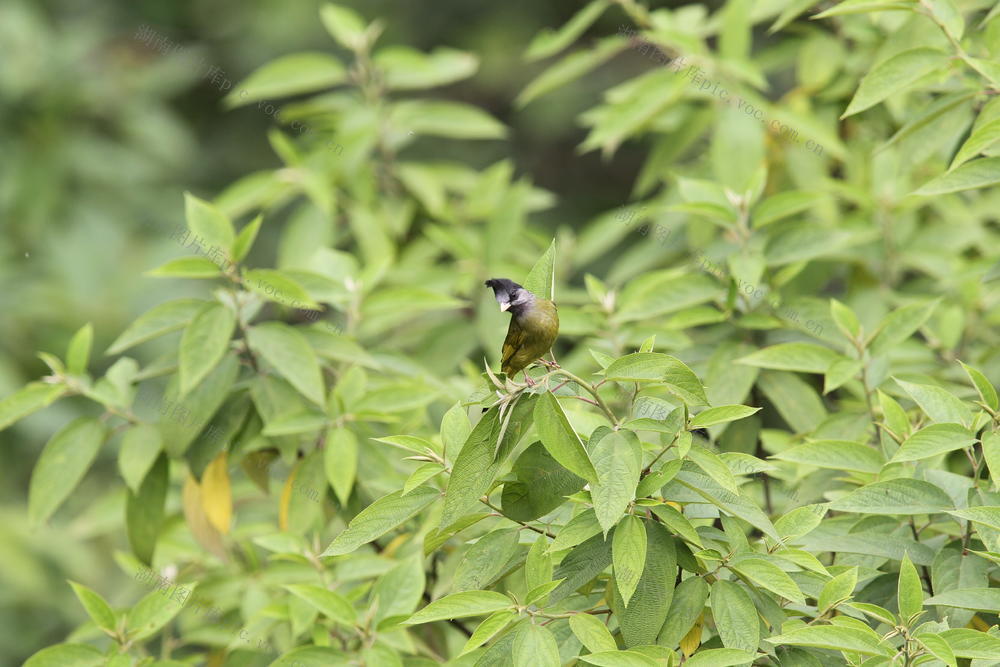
(770, 455)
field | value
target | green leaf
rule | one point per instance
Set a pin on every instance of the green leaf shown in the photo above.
(162, 319)
(550, 42)
(947, 14)
(582, 564)
(570, 68)
(78, 351)
(617, 456)
(866, 6)
(982, 138)
(455, 429)
(618, 659)
(804, 357)
(152, 612)
(399, 590)
(535, 645)
(766, 574)
(657, 367)
(982, 173)
(835, 455)
(939, 405)
(559, 438)
(380, 517)
(938, 647)
(985, 388)
(144, 510)
(67, 655)
(895, 496)
(986, 515)
(925, 118)
(204, 344)
(782, 205)
(677, 523)
(308, 656)
(719, 657)
(733, 503)
(97, 608)
(493, 625)
(641, 621)
(839, 589)
(245, 239)
(978, 599)
(537, 565)
(845, 319)
(910, 595)
(28, 399)
(290, 354)
(580, 528)
(141, 445)
(459, 605)
(894, 415)
(628, 555)
(209, 226)
(481, 456)
(735, 616)
(186, 267)
(340, 461)
(184, 419)
(898, 325)
(991, 453)
(721, 415)
(289, 75)
(714, 466)
(972, 644)
(279, 287)
(408, 69)
(332, 605)
(800, 521)
(686, 607)
(452, 120)
(933, 440)
(541, 485)
(344, 25)
(63, 463)
(591, 631)
(486, 560)
(837, 638)
(893, 75)
(882, 614)
(541, 280)
(794, 399)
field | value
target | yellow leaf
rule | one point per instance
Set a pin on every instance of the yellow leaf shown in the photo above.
(398, 541)
(692, 640)
(286, 499)
(216, 495)
(978, 624)
(202, 529)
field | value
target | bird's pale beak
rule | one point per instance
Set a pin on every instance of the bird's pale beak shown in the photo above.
(504, 306)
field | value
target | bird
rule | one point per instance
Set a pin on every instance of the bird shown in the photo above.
(534, 325)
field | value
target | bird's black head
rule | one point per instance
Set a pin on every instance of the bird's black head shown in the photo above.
(510, 295)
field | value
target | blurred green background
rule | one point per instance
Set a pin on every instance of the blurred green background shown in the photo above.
(100, 136)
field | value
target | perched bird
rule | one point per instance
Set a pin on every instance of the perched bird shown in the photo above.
(534, 325)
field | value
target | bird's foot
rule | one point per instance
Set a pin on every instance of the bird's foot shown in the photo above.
(528, 380)
(549, 364)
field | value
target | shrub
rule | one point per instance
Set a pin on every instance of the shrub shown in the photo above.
(777, 450)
